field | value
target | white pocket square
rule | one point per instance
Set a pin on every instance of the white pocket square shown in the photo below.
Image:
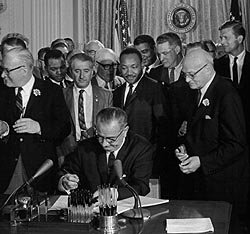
(207, 117)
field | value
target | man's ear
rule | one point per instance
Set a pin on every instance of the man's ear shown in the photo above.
(177, 49)
(240, 39)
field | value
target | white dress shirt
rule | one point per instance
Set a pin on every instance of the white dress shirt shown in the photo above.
(240, 62)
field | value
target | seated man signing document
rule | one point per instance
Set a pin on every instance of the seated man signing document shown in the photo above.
(92, 162)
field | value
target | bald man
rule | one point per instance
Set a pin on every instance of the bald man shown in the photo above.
(106, 67)
(92, 47)
(214, 154)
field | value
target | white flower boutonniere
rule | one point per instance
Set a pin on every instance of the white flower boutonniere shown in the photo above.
(36, 92)
(206, 102)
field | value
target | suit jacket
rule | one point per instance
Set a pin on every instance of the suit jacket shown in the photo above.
(66, 82)
(89, 162)
(222, 67)
(216, 133)
(46, 105)
(146, 110)
(101, 99)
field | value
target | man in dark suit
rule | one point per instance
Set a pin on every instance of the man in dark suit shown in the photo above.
(214, 154)
(38, 120)
(94, 99)
(56, 68)
(141, 97)
(169, 49)
(232, 36)
(92, 163)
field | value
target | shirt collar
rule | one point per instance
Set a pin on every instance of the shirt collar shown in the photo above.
(240, 57)
(205, 87)
(88, 89)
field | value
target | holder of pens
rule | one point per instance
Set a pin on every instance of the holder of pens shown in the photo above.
(80, 206)
(107, 199)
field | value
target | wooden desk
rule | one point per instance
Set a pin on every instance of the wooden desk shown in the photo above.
(219, 212)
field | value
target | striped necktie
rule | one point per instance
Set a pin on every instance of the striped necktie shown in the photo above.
(19, 103)
(81, 116)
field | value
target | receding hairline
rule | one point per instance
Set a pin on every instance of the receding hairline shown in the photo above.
(200, 55)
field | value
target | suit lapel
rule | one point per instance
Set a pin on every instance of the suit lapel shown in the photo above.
(203, 105)
(35, 96)
(69, 99)
(95, 102)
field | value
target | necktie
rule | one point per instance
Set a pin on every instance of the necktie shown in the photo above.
(81, 117)
(19, 103)
(111, 162)
(171, 75)
(129, 95)
(235, 71)
(61, 84)
(198, 96)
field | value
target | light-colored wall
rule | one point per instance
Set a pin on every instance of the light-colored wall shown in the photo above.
(42, 21)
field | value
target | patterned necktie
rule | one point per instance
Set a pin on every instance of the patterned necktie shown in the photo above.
(19, 103)
(235, 71)
(129, 95)
(171, 75)
(81, 116)
(111, 162)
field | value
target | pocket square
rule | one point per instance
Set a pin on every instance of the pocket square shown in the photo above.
(207, 117)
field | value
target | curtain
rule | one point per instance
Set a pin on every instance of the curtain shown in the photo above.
(245, 8)
(150, 17)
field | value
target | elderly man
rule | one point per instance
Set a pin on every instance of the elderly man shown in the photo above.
(92, 47)
(38, 120)
(106, 67)
(84, 101)
(92, 163)
(214, 154)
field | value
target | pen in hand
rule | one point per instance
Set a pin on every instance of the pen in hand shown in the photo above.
(67, 172)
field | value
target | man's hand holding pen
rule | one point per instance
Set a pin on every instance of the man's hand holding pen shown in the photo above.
(70, 181)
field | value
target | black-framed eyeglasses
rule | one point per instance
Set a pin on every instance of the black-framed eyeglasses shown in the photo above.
(192, 75)
(110, 140)
(7, 71)
(108, 66)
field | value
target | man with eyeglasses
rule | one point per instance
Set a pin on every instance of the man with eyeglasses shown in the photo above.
(214, 152)
(92, 163)
(84, 101)
(92, 47)
(37, 118)
(106, 68)
(169, 49)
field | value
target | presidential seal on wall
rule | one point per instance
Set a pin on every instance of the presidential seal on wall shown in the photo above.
(181, 18)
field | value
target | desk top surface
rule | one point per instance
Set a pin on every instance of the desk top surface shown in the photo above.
(219, 212)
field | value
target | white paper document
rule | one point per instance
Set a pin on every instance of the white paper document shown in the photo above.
(193, 225)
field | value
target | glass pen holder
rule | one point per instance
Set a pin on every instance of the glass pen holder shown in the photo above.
(80, 206)
(107, 199)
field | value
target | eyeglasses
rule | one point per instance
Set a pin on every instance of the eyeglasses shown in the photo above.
(8, 71)
(108, 66)
(190, 75)
(110, 140)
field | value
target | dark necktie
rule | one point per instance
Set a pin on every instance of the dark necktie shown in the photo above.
(111, 162)
(61, 84)
(235, 71)
(19, 103)
(198, 96)
(81, 116)
(171, 75)
(129, 95)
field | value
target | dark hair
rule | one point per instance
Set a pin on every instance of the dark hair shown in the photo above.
(42, 52)
(145, 39)
(171, 38)
(236, 26)
(109, 114)
(53, 54)
(82, 57)
(131, 50)
(57, 41)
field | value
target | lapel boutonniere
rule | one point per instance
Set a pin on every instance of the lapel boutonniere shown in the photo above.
(36, 92)
(206, 102)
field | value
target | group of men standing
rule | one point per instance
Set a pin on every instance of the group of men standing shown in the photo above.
(182, 113)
